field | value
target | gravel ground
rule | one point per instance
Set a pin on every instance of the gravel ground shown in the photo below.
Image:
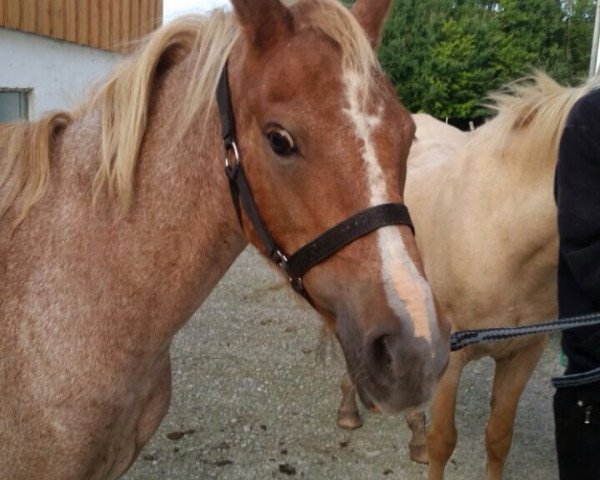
(255, 397)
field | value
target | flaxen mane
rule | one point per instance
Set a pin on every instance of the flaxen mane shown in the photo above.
(532, 112)
(25, 160)
(123, 100)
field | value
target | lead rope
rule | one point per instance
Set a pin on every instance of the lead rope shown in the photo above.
(459, 340)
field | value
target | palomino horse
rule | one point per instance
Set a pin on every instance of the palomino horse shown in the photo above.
(117, 221)
(485, 218)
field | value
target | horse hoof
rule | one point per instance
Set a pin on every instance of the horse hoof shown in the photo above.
(418, 453)
(349, 421)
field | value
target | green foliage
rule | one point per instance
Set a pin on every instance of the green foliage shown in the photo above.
(444, 56)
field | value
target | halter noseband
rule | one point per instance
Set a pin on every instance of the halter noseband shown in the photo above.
(321, 248)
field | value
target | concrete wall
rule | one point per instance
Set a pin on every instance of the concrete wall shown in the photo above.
(59, 73)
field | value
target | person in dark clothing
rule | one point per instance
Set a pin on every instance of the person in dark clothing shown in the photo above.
(577, 190)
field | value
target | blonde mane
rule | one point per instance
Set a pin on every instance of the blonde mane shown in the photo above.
(26, 148)
(123, 100)
(530, 117)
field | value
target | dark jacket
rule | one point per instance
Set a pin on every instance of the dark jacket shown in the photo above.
(577, 191)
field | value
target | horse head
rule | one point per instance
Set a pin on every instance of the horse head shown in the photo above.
(321, 137)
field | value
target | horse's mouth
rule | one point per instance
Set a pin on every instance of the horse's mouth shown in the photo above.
(365, 398)
(375, 406)
(392, 401)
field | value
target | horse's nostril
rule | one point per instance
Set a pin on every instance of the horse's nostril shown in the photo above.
(380, 351)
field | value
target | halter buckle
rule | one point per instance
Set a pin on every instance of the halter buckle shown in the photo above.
(282, 262)
(280, 259)
(297, 285)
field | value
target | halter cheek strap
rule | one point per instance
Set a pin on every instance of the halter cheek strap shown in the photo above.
(321, 248)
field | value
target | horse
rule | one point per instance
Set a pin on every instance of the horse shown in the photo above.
(485, 218)
(117, 220)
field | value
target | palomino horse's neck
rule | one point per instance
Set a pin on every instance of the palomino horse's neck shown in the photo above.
(481, 206)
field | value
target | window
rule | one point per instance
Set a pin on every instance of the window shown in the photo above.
(14, 104)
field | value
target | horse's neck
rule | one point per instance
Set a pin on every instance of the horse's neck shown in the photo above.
(435, 142)
(151, 270)
(183, 217)
(486, 230)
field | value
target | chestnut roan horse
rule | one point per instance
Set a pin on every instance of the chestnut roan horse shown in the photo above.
(117, 221)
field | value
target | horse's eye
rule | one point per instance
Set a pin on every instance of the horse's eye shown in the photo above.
(281, 142)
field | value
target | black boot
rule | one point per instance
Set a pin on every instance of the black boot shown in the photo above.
(577, 423)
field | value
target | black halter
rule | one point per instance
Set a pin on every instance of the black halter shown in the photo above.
(320, 248)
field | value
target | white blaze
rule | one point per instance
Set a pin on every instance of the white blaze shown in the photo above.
(399, 272)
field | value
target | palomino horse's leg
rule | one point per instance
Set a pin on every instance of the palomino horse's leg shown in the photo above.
(348, 416)
(441, 438)
(511, 375)
(417, 446)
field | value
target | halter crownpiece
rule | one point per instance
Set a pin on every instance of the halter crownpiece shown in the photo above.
(321, 248)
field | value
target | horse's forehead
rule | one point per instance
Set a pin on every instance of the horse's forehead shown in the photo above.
(295, 78)
(305, 55)
(307, 73)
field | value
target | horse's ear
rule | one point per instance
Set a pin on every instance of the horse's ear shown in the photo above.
(263, 22)
(371, 15)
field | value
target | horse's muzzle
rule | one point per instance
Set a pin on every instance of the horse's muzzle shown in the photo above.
(399, 371)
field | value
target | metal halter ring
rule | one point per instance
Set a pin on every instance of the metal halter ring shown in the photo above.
(236, 154)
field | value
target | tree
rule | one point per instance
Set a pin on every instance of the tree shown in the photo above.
(443, 56)
(579, 18)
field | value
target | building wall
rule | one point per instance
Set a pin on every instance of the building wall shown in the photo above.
(59, 73)
(106, 24)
